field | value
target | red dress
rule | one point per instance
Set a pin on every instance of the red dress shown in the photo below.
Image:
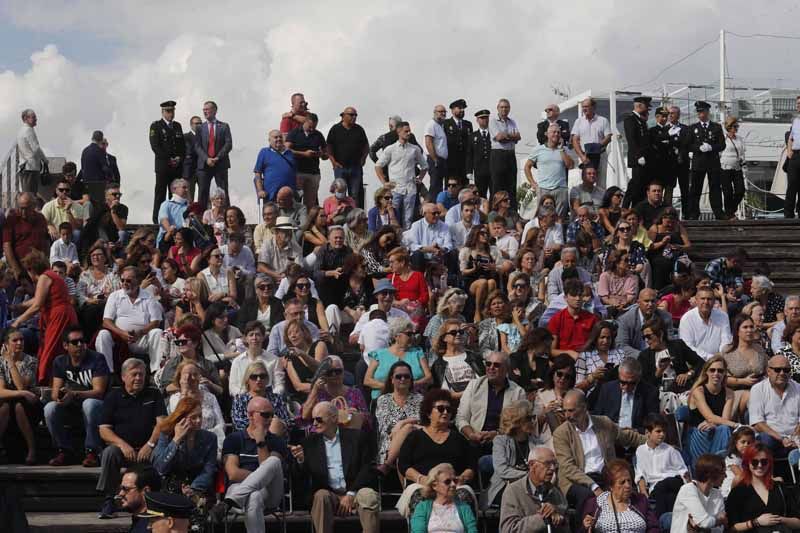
(56, 315)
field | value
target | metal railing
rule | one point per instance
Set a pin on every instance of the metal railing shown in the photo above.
(9, 181)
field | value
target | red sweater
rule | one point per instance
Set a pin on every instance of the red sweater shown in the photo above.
(414, 288)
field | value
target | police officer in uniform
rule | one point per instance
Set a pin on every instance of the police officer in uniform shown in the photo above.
(168, 513)
(480, 149)
(659, 166)
(638, 139)
(679, 159)
(706, 140)
(458, 132)
(168, 145)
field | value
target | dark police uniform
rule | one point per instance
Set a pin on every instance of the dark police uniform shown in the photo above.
(480, 153)
(541, 131)
(190, 163)
(166, 142)
(679, 161)
(162, 505)
(459, 146)
(660, 164)
(705, 163)
(638, 140)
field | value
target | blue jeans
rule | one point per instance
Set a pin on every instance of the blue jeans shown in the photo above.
(777, 447)
(404, 207)
(713, 441)
(354, 176)
(91, 410)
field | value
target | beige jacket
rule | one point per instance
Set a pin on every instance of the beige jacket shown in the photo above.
(472, 407)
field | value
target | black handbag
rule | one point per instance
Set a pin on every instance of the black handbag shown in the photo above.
(44, 175)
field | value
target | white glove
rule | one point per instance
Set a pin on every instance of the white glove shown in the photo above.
(640, 161)
(470, 176)
(674, 130)
(705, 147)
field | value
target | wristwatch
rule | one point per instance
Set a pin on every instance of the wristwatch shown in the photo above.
(151, 444)
(262, 444)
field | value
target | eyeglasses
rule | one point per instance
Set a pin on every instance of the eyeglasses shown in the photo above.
(302, 285)
(127, 280)
(519, 285)
(266, 414)
(264, 287)
(443, 409)
(756, 463)
(402, 377)
(563, 375)
(125, 490)
(256, 377)
(780, 369)
(334, 372)
(450, 481)
(76, 342)
(716, 370)
(62, 189)
(624, 229)
(623, 382)
(180, 342)
(493, 364)
(452, 184)
(318, 420)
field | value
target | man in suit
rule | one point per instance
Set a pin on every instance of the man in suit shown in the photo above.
(31, 155)
(94, 168)
(706, 140)
(678, 136)
(638, 150)
(167, 143)
(190, 160)
(480, 153)
(340, 468)
(458, 132)
(583, 444)
(627, 400)
(213, 143)
(552, 112)
(660, 168)
(111, 162)
(629, 324)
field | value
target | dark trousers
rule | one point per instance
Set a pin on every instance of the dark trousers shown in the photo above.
(163, 178)
(503, 164)
(665, 492)
(714, 191)
(111, 462)
(792, 185)
(29, 181)
(457, 166)
(683, 183)
(354, 176)
(437, 170)
(732, 184)
(482, 181)
(204, 176)
(635, 192)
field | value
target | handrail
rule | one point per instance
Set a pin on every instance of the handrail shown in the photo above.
(9, 184)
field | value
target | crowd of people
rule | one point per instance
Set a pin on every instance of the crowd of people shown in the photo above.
(577, 360)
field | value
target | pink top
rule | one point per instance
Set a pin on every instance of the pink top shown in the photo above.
(331, 203)
(677, 311)
(610, 284)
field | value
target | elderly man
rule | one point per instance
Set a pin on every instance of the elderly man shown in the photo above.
(212, 146)
(137, 481)
(340, 469)
(275, 168)
(572, 325)
(705, 328)
(63, 209)
(253, 461)
(131, 317)
(330, 277)
(639, 150)
(505, 136)
(347, 147)
(532, 504)
(170, 214)
(80, 378)
(585, 222)
(459, 149)
(583, 444)
(586, 192)
(289, 207)
(569, 260)
(307, 145)
(429, 239)
(436, 148)
(480, 163)
(791, 311)
(627, 400)
(552, 112)
(591, 134)
(129, 426)
(169, 148)
(24, 230)
(293, 310)
(629, 333)
(297, 115)
(31, 155)
(384, 297)
(279, 252)
(553, 163)
(401, 159)
(774, 406)
(649, 208)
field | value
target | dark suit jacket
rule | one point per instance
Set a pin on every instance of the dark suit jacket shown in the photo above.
(222, 141)
(357, 460)
(645, 401)
(459, 147)
(682, 358)
(480, 151)
(541, 131)
(629, 330)
(714, 136)
(680, 144)
(190, 161)
(113, 169)
(249, 311)
(94, 165)
(166, 143)
(637, 137)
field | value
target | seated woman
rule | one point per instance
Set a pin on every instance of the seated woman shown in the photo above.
(397, 413)
(401, 331)
(450, 305)
(303, 355)
(791, 348)
(478, 262)
(440, 510)
(338, 204)
(184, 252)
(254, 336)
(216, 213)
(495, 312)
(760, 502)
(618, 286)
(329, 387)
(756, 311)
(518, 435)
(383, 213)
(412, 291)
(598, 360)
(356, 230)
(220, 282)
(357, 296)
(762, 289)
(265, 307)
(511, 332)
(700, 504)
(376, 252)
(669, 365)
(95, 283)
(711, 409)
(186, 455)
(300, 288)
(547, 406)
(454, 365)
(619, 508)
(670, 241)
(746, 361)
(519, 288)
(431, 445)
(678, 302)
(611, 208)
(187, 341)
(530, 363)
(219, 337)
(255, 383)
(622, 240)
(18, 403)
(187, 379)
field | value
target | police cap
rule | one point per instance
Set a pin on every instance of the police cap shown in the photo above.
(459, 103)
(169, 104)
(162, 505)
(700, 105)
(643, 100)
(483, 113)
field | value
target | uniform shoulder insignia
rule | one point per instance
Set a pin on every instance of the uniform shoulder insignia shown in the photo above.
(152, 132)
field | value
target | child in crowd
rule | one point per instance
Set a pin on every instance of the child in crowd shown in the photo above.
(375, 333)
(660, 468)
(64, 249)
(743, 437)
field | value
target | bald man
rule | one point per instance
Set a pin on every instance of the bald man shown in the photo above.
(275, 168)
(774, 406)
(436, 149)
(629, 335)
(212, 144)
(289, 206)
(347, 149)
(24, 230)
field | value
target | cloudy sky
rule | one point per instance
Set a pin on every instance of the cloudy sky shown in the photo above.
(86, 65)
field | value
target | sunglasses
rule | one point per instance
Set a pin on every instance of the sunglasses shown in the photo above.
(452, 184)
(443, 409)
(549, 109)
(302, 285)
(519, 285)
(623, 382)
(256, 377)
(454, 332)
(450, 481)
(76, 342)
(756, 463)
(624, 229)
(116, 194)
(126, 280)
(125, 490)
(334, 372)
(402, 377)
(266, 414)
(60, 189)
(318, 420)
(180, 342)
(716, 371)
(780, 369)
(387, 197)
(264, 287)
(493, 364)
(563, 375)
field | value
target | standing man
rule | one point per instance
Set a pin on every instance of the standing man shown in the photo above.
(505, 136)
(638, 139)
(661, 167)
(706, 141)
(458, 132)
(480, 153)
(113, 175)
(679, 159)
(213, 143)
(347, 149)
(308, 146)
(296, 116)
(552, 111)
(436, 146)
(401, 160)
(275, 168)
(591, 133)
(793, 167)
(94, 168)
(31, 155)
(190, 159)
(168, 145)
(552, 166)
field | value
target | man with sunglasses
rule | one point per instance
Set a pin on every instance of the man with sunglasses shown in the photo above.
(109, 220)
(627, 400)
(774, 407)
(449, 197)
(24, 230)
(63, 209)
(347, 148)
(253, 462)
(137, 481)
(629, 324)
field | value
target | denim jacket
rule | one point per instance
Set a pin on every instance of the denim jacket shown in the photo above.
(199, 464)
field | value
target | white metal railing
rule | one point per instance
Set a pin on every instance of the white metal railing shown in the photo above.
(9, 182)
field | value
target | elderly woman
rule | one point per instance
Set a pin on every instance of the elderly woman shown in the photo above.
(711, 411)
(217, 211)
(791, 348)
(732, 161)
(256, 383)
(219, 337)
(303, 355)
(18, 403)
(356, 232)
(440, 510)
(397, 413)
(450, 305)
(598, 359)
(478, 261)
(265, 307)
(383, 213)
(95, 283)
(619, 508)
(746, 360)
(338, 204)
(760, 502)
(329, 387)
(559, 380)
(756, 312)
(667, 364)
(670, 241)
(700, 504)
(431, 445)
(763, 291)
(376, 252)
(518, 435)
(618, 286)
(187, 379)
(401, 332)
(454, 365)
(188, 341)
(254, 336)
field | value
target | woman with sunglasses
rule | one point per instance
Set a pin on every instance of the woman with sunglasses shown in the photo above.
(376, 252)
(547, 406)
(187, 379)
(254, 336)
(142, 238)
(746, 360)
(95, 283)
(440, 511)
(356, 232)
(19, 405)
(330, 387)
(265, 307)
(219, 281)
(315, 230)
(670, 242)
(397, 413)
(667, 364)
(732, 161)
(434, 443)
(598, 359)
(478, 261)
(188, 341)
(454, 365)
(530, 364)
(496, 311)
(383, 213)
(618, 286)
(450, 305)
(711, 410)
(760, 502)
(611, 208)
(401, 348)
(520, 288)
(219, 337)
(303, 355)
(622, 240)
(256, 383)
(300, 288)
(501, 207)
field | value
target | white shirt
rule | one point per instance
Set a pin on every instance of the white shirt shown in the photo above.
(132, 315)
(795, 133)
(553, 237)
(245, 260)
(277, 377)
(215, 284)
(393, 313)
(592, 455)
(704, 509)
(458, 233)
(402, 159)
(781, 413)
(706, 339)
(29, 150)
(591, 131)
(333, 454)
(61, 251)
(732, 156)
(421, 233)
(509, 245)
(776, 337)
(659, 463)
(445, 519)
(435, 130)
(374, 336)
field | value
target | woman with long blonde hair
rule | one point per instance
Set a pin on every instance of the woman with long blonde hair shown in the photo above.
(711, 410)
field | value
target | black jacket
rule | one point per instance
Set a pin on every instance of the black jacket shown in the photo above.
(190, 160)
(645, 401)
(480, 151)
(714, 136)
(358, 458)
(167, 142)
(682, 356)
(249, 311)
(637, 137)
(439, 367)
(94, 165)
(459, 147)
(541, 131)
(679, 143)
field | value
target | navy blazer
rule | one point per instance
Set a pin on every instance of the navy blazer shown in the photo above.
(357, 460)
(222, 141)
(609, 399)
(94, 165)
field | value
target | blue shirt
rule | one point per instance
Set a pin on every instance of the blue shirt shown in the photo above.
(333, 452)
(172, 210)
(423, 234)
(277, 171)
(446, 200)
(240, 444)
(551, 170)
(386, 359)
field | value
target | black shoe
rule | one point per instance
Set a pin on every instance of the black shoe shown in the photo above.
(108, 509)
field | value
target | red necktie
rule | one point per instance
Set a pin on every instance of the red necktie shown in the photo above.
(212, 149)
